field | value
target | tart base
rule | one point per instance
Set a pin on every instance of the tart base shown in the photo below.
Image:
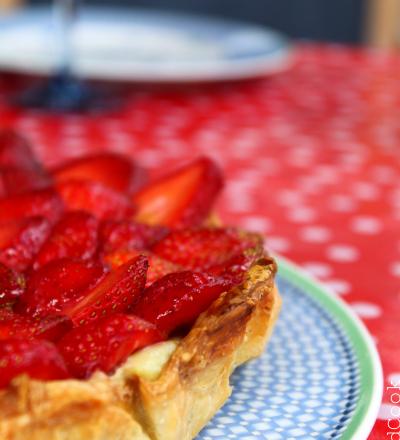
(192, 385)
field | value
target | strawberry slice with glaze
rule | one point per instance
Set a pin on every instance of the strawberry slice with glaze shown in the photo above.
(14, 325)
(115, 293)
(126, 234)
(18, 180)
(74, 236)
(203, 248)
(12, 285)
(45, 203)
(183, 198)
(95, 198)
(38, 359)
(158, 267)
(15, 151)
(178, 299)
(106, 344)
(20, 240)
(111, 169)
(57, 285)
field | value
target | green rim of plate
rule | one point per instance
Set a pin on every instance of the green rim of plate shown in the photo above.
(371, 382)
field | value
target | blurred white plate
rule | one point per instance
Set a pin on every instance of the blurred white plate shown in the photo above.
(141, 45)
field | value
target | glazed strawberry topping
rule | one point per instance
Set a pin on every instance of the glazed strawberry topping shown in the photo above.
(178, 298)
(74, 236)
(57, 285)
(203, 248)
(21, 239)
(12, 285)
(18, 180)
(95, 198)
(45, 203)
(106, 344)
(16, 152)
(126, 234)
(158, 267)
(36, 358)
(183, 198)
(115, 293)
(90, 261)
(112, 170)
(13, 325)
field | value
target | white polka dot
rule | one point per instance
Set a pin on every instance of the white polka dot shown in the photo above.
(388, 411)
(317, 269)
(288, 197)
(366, 225)
(315, 234)
(277, 244)
(302, 215)
(366, 310)
(395, 269)
(394, 379)
(258, 224)
(342, 203)
(342, 253)
(341, 287)
(365, 191)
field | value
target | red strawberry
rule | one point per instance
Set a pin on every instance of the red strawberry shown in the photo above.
(12, 285)
(18, 180)
(182, 198)
(58, 284)
(38, 359)
(21, 240)
(16, 152)
(178, 299)
(158, 267)
(234, 268)
(95, 198)
(74, 236)
(206, 247)
(106, 343)
(44, 202)
(112, 170)
(125, 234)
(13, 325)
(115, 293)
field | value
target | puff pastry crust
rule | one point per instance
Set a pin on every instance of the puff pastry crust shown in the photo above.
(192, 385)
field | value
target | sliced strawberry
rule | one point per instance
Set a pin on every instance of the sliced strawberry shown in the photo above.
(52, 328)
(45, 202)
(95, 198)
(112, 170)
(158, 267)
(126, 234)
(12, 285)
(18, 180)
(58, 284)
(106, 343)
(38, 359)
(178, 299)
(115, 293)
(206, 247)
(183, 198)
(74, 236)
(16, 152)
(20, 240)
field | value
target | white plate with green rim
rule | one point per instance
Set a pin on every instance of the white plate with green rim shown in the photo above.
(320, 377)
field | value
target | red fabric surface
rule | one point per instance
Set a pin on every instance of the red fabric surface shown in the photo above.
(311, 156)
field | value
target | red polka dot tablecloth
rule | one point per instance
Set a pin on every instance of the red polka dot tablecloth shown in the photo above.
(312, 159)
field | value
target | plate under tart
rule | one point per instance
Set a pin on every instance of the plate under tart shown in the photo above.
(320, 376)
